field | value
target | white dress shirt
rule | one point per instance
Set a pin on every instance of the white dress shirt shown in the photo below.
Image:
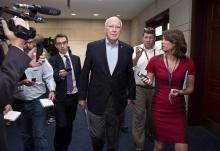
(75, 90)
(44, 77)
(143, 61)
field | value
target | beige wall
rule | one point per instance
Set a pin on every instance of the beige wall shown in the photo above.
(180, 18)
(79, 32)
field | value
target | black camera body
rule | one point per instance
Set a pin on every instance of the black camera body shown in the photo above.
(18, 30)
(49, 45)
(31, 15)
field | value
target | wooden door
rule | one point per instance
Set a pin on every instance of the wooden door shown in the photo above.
(204, 104)
(211, 103)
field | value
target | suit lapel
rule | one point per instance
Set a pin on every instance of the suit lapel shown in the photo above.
(73, 64)
(120, 57)
(61, 63)
(104, 57)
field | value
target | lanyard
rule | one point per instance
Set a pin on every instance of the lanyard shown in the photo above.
(170, 76)
(147, 55)
(170, 72)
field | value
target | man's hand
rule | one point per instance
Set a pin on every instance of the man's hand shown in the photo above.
(27, 82)
(63, 73)
(82, 104)
(51, 96)
(146, 80)
(7, 108)
(139, 51)
(32, 55)
(15, 41)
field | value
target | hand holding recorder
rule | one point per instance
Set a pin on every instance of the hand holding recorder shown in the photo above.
(139, 51)
(144, 78)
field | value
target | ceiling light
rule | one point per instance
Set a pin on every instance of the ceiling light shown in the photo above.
(118, 15)
(73, 14)
(95, 14)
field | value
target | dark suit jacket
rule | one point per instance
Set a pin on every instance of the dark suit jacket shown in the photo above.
(12, 69)
(61, 84)
(102, 84)
(2, 55)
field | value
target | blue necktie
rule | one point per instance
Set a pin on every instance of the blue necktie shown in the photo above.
(69, 75)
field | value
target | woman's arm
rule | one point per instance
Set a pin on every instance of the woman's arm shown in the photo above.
(189, 87)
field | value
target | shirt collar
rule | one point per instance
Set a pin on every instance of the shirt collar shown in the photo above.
(18, 47)
(62, 55)
(110, 44)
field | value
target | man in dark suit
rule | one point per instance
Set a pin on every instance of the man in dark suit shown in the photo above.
(2, 55)
(14, 64)
(107, 82)
(67, 70)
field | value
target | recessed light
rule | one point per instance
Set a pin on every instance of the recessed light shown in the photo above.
(118, 15)
(73, 14)
(95, 14)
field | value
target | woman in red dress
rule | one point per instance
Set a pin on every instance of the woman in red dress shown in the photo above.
(168, 106)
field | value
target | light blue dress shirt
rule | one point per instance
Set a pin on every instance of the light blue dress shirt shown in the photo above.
(112, 55)
(44, 77)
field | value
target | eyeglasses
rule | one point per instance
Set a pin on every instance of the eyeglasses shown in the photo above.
(61, 43)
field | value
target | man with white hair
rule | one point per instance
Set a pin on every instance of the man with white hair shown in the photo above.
(107, 83)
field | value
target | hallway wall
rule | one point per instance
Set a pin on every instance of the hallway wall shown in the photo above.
(180, 18)
(79, 32)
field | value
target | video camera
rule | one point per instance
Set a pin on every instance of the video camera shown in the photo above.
(48, 44)
(31, 15)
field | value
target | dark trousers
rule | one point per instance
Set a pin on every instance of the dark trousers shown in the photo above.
(65, 112)
(3, 138)
(105, 126)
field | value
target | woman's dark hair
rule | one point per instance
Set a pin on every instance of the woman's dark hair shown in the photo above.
(176, 37)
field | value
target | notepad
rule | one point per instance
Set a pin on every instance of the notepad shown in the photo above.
(12, 115)
(46, 103)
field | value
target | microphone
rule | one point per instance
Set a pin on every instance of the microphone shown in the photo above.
(25, 6)
(20, 15)
(39, 19)
(48, 10)
(41, 9)
(36, 19)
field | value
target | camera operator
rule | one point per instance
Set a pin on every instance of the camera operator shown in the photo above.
(14, 64)
(2, 55)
